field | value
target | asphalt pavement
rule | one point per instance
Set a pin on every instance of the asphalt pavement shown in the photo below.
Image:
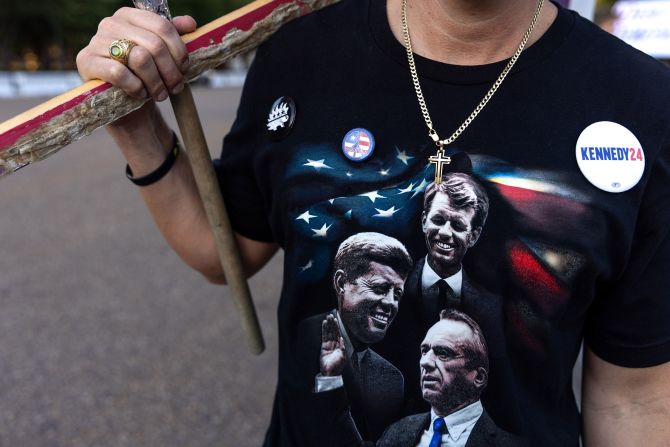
(106, 337)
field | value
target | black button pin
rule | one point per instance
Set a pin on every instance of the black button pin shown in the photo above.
(281, 118)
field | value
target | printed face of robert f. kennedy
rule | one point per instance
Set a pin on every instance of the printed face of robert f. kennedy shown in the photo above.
(449, 233)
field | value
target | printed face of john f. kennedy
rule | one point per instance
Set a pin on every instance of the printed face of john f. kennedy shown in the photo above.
(369, 302)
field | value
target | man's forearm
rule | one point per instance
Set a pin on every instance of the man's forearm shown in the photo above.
(625, 424)
(173, 201)
(625, 406)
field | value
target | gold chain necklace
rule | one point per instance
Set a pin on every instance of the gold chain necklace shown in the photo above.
(440, 159)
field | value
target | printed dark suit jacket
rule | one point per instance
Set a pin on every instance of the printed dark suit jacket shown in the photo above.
(374, 390)
(401, 346)
(407, 433)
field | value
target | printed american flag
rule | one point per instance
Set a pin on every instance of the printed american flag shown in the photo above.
(530, 211)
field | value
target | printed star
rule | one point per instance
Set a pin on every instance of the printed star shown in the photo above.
(318, 164)
(372, 195)
(306, 266)
(348, 214)
(305, 216)
(349, 174)
(383, 172)
(419, 189)
(406, 190)
(402, 156)
(386, 213)
(331, 201)
(321, 232)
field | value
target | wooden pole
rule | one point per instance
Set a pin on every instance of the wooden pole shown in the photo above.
(45, 129)
(210, 193)
(198, 154)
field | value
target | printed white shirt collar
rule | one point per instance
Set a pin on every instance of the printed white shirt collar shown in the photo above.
(429, 277)
(459, 422)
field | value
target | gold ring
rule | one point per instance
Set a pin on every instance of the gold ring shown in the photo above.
(120, 50)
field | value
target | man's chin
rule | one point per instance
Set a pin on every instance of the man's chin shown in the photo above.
(439, 261)
(374, 335)
(430, 395)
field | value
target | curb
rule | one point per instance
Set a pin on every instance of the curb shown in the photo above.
(25, 84)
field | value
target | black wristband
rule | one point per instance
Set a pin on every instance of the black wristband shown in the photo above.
(160, 172)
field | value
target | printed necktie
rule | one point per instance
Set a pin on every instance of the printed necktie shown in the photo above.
(448, 297)
(439, 428)
(438, 297)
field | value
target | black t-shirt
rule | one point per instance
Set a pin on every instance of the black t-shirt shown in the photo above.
(556, 261)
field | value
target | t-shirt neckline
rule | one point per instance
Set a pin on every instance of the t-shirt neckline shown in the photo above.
(472, 74)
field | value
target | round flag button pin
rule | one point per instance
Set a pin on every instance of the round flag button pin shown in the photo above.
(358, 144)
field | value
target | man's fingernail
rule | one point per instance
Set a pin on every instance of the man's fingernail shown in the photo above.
(178, 89)
(162, 96)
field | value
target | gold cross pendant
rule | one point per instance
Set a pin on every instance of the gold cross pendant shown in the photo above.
(439, 160)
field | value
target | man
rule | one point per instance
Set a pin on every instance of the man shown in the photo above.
(346, 67)
(453, 218)
(454, 372)
(369, 272)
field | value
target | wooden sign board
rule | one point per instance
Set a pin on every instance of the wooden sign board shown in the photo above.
(42, 131)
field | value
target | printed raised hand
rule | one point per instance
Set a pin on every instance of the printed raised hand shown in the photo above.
(333, 355)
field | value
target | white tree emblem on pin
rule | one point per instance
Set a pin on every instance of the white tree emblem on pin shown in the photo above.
(278, 116)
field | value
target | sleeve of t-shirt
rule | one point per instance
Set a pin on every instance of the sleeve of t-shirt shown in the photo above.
(629, 324)
(245, 189)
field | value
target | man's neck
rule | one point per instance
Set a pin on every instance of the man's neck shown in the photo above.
(356, 346)
(446, 411)
(469, 32)
(443, 271)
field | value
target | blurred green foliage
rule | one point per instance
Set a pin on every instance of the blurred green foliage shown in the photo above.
(51, 32)
(47, 34)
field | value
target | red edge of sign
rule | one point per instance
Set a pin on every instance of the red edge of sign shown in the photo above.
(243, 23)
(10, 137)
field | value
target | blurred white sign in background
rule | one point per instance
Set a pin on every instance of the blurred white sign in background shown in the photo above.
(644, 24)
(585, 8)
